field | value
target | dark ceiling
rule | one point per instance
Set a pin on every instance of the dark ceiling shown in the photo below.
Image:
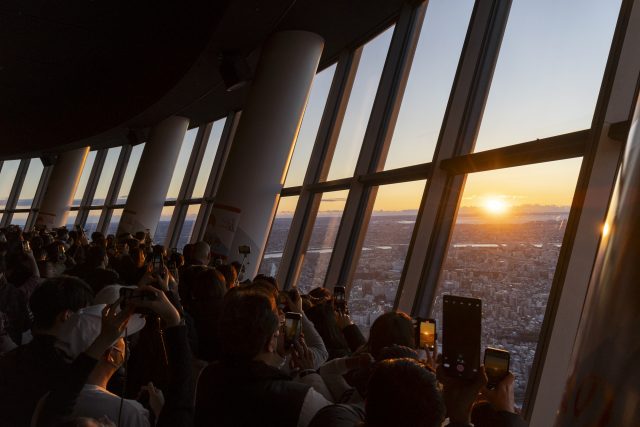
(78, 72)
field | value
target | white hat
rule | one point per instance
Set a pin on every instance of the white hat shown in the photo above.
(110, 294)
(83, 327)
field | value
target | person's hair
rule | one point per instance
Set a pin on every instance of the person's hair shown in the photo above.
(200, 251)
(188, 280)
(137, 256)
(247, 323)
(402, 392)
(230, 274)
(140, 235)
(267, 279)
(98, 238)
(52, 250)
(389, 329)
(209, 284)
(324, 319)
(320, 294)
(56, 295)
(95, 255)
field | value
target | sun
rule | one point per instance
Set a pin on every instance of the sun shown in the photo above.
(496, 205)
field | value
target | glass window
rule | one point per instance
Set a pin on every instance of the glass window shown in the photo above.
(71, 219)
(84, 178)
(115, 221)
(278, 236)
(181, 164)
(504, 249)
(356, 117)
(323, 237)
(162, 230)
(30, 185)
(110, 163)
(130, 173)
(7, 177)
(385, 246)
(92, 221)
(549, 72)
(309, 127)
(19, 218)
(209, 156)
(187, 226)
(427, 92)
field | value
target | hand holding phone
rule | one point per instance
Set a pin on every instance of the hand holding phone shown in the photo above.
(292, 328)
(461, 330)
(339, 299)
(496, 366)
(426, 334)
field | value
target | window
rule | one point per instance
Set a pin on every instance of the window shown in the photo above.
(30, 185)
(278, 236)
(504, 249)
(385, 246)
(106, 176)
(181, 164)
(91, 224)
(115, 221)
(209, 156)
(427, 92)
(7, 176)
(187, 228)
(360, 104)
(130, 173)
(84, 178)
(71, 219)
(323, 237)
(309, 127)
(162, 230)
(549, 72)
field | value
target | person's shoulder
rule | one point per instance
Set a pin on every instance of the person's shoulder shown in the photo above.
(339, 415)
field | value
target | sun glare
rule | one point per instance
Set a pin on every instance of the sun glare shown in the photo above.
(495, 206)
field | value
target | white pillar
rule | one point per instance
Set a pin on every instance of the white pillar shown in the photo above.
(261, 150)
(58, 196)
(153, 176)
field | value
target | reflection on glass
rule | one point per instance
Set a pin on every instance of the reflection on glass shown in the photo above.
(30, 185)
(385, 246)
(278, 236)
(106, 176)
(427, 92)
(504, 249)
(129, 174)
(309, 127)
(187, 227)
(7, 176)
(115, 221)
(209, 156)
(92, 221)
(549, 72)
(181, 164)
(84, 178)
(323, 237)
(162, 230)
(360, 104)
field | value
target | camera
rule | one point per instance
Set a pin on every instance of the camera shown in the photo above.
(244, 249)
(129, 294)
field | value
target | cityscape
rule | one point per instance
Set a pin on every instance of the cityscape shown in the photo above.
(508, 265)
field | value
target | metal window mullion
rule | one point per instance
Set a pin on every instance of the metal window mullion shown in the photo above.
(617, 99)
(460, 126)
(114, 188)
(375, 145)
(188, 183)
(90, 189)
(215, 175)
(318, 168)
(43, 183)
(16, 188)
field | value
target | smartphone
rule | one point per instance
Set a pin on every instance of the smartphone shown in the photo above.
(461, 330)
(292, 328)
(127, 294)
(339, 299)
(426, 334)
(157, 265)
(244, 249)
(496, 365)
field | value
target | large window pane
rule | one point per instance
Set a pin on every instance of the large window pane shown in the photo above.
(209, 156)
(110, 163)
(7, 176)
(19, 218)
(84, 178)
(187, 227)
(504, 249)
(181, 164)
(30, 185)
(92, 221)
(549, 71)
(427, 92)
(130, 173)
(115, 221)
(162, 230)
(360, 103)
(278, 236)
(383, 252)
(309, 127)
(323, 237)
(71, 220)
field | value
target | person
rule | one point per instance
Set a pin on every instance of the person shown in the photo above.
(95, 271)
(207, 295)
(200, 253)
(246, 388)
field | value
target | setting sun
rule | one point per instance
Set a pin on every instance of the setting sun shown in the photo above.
(496, 205)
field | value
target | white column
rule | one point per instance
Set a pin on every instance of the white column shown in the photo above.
(153, 176)
(58, 196)
(260, 153)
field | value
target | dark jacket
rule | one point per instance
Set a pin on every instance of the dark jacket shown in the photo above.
(247, 394)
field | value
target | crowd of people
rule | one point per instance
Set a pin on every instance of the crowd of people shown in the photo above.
(117, 331)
